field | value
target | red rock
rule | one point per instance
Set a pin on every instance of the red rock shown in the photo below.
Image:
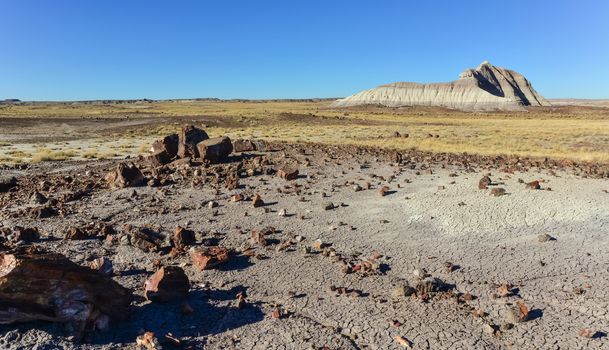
(167, 284)
(215, 150)
(125, 175)
(206, 258)
(189, 137)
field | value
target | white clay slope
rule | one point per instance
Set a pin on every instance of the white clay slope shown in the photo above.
(486, 87)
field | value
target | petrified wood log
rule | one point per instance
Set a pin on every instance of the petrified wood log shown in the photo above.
(47, 286)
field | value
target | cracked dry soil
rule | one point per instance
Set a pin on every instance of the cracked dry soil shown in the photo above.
(306, 294)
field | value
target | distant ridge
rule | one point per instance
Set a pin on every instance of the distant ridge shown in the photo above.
(485, 88)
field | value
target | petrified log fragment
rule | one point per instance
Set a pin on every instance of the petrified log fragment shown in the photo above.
(215, 150)
(125, 175)
(189, 137)
(183, 237)
(167, 284)
(45, 286)
(169, 144)
(288, 172)
(203, 259)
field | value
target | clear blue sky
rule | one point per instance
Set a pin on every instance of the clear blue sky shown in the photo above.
(118, 49)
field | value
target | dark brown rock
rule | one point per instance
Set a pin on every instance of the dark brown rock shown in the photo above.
(47, 286)
(215, 150)
(183, 238)
(241, 145)
(76, 233)
(288, 172)
(125, 175)
(158, 158)
(169, 144)
(30, 234)
(167, 284)
(189, 137)
(257, 201)
(7, 182)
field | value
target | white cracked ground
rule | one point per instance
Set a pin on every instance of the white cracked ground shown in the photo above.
(493, 240)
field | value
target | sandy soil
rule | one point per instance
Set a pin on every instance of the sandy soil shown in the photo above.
(432, 214)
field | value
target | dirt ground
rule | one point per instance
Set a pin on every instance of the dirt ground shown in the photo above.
(485, 250)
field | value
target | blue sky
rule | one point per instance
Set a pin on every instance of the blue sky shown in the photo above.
(116, 49)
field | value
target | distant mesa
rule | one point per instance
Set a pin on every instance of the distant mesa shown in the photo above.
(485, 88)
(10, 100)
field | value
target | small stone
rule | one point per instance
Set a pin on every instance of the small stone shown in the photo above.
(283, 213)
(498, 191)
(148, 341)
(102, 265)
(327, 205)
(212, 204)
(544, 237)
(587, 333)
(257, 201)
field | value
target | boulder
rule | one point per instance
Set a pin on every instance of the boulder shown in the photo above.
(215, 150)
(189, 137)
(169, 283)
(183, 237)
(125, 175)
(36, 285)
(169, 144)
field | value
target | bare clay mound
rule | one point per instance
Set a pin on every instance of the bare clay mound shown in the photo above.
(291, 246)
(485, 88)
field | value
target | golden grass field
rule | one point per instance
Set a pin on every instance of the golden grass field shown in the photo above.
(570, 132)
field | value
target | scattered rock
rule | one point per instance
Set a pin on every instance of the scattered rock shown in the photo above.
(206, 258)
(167, 284)
(544, 237)
(588, 333)
(498, 191)
(148, 341)
(288, 172)
(257, 201)
(125, 175)
(102, 265)
(484, 183)
(327, 205)
(183, 238)
(534, 185)
(38, 198)
(27, 235)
